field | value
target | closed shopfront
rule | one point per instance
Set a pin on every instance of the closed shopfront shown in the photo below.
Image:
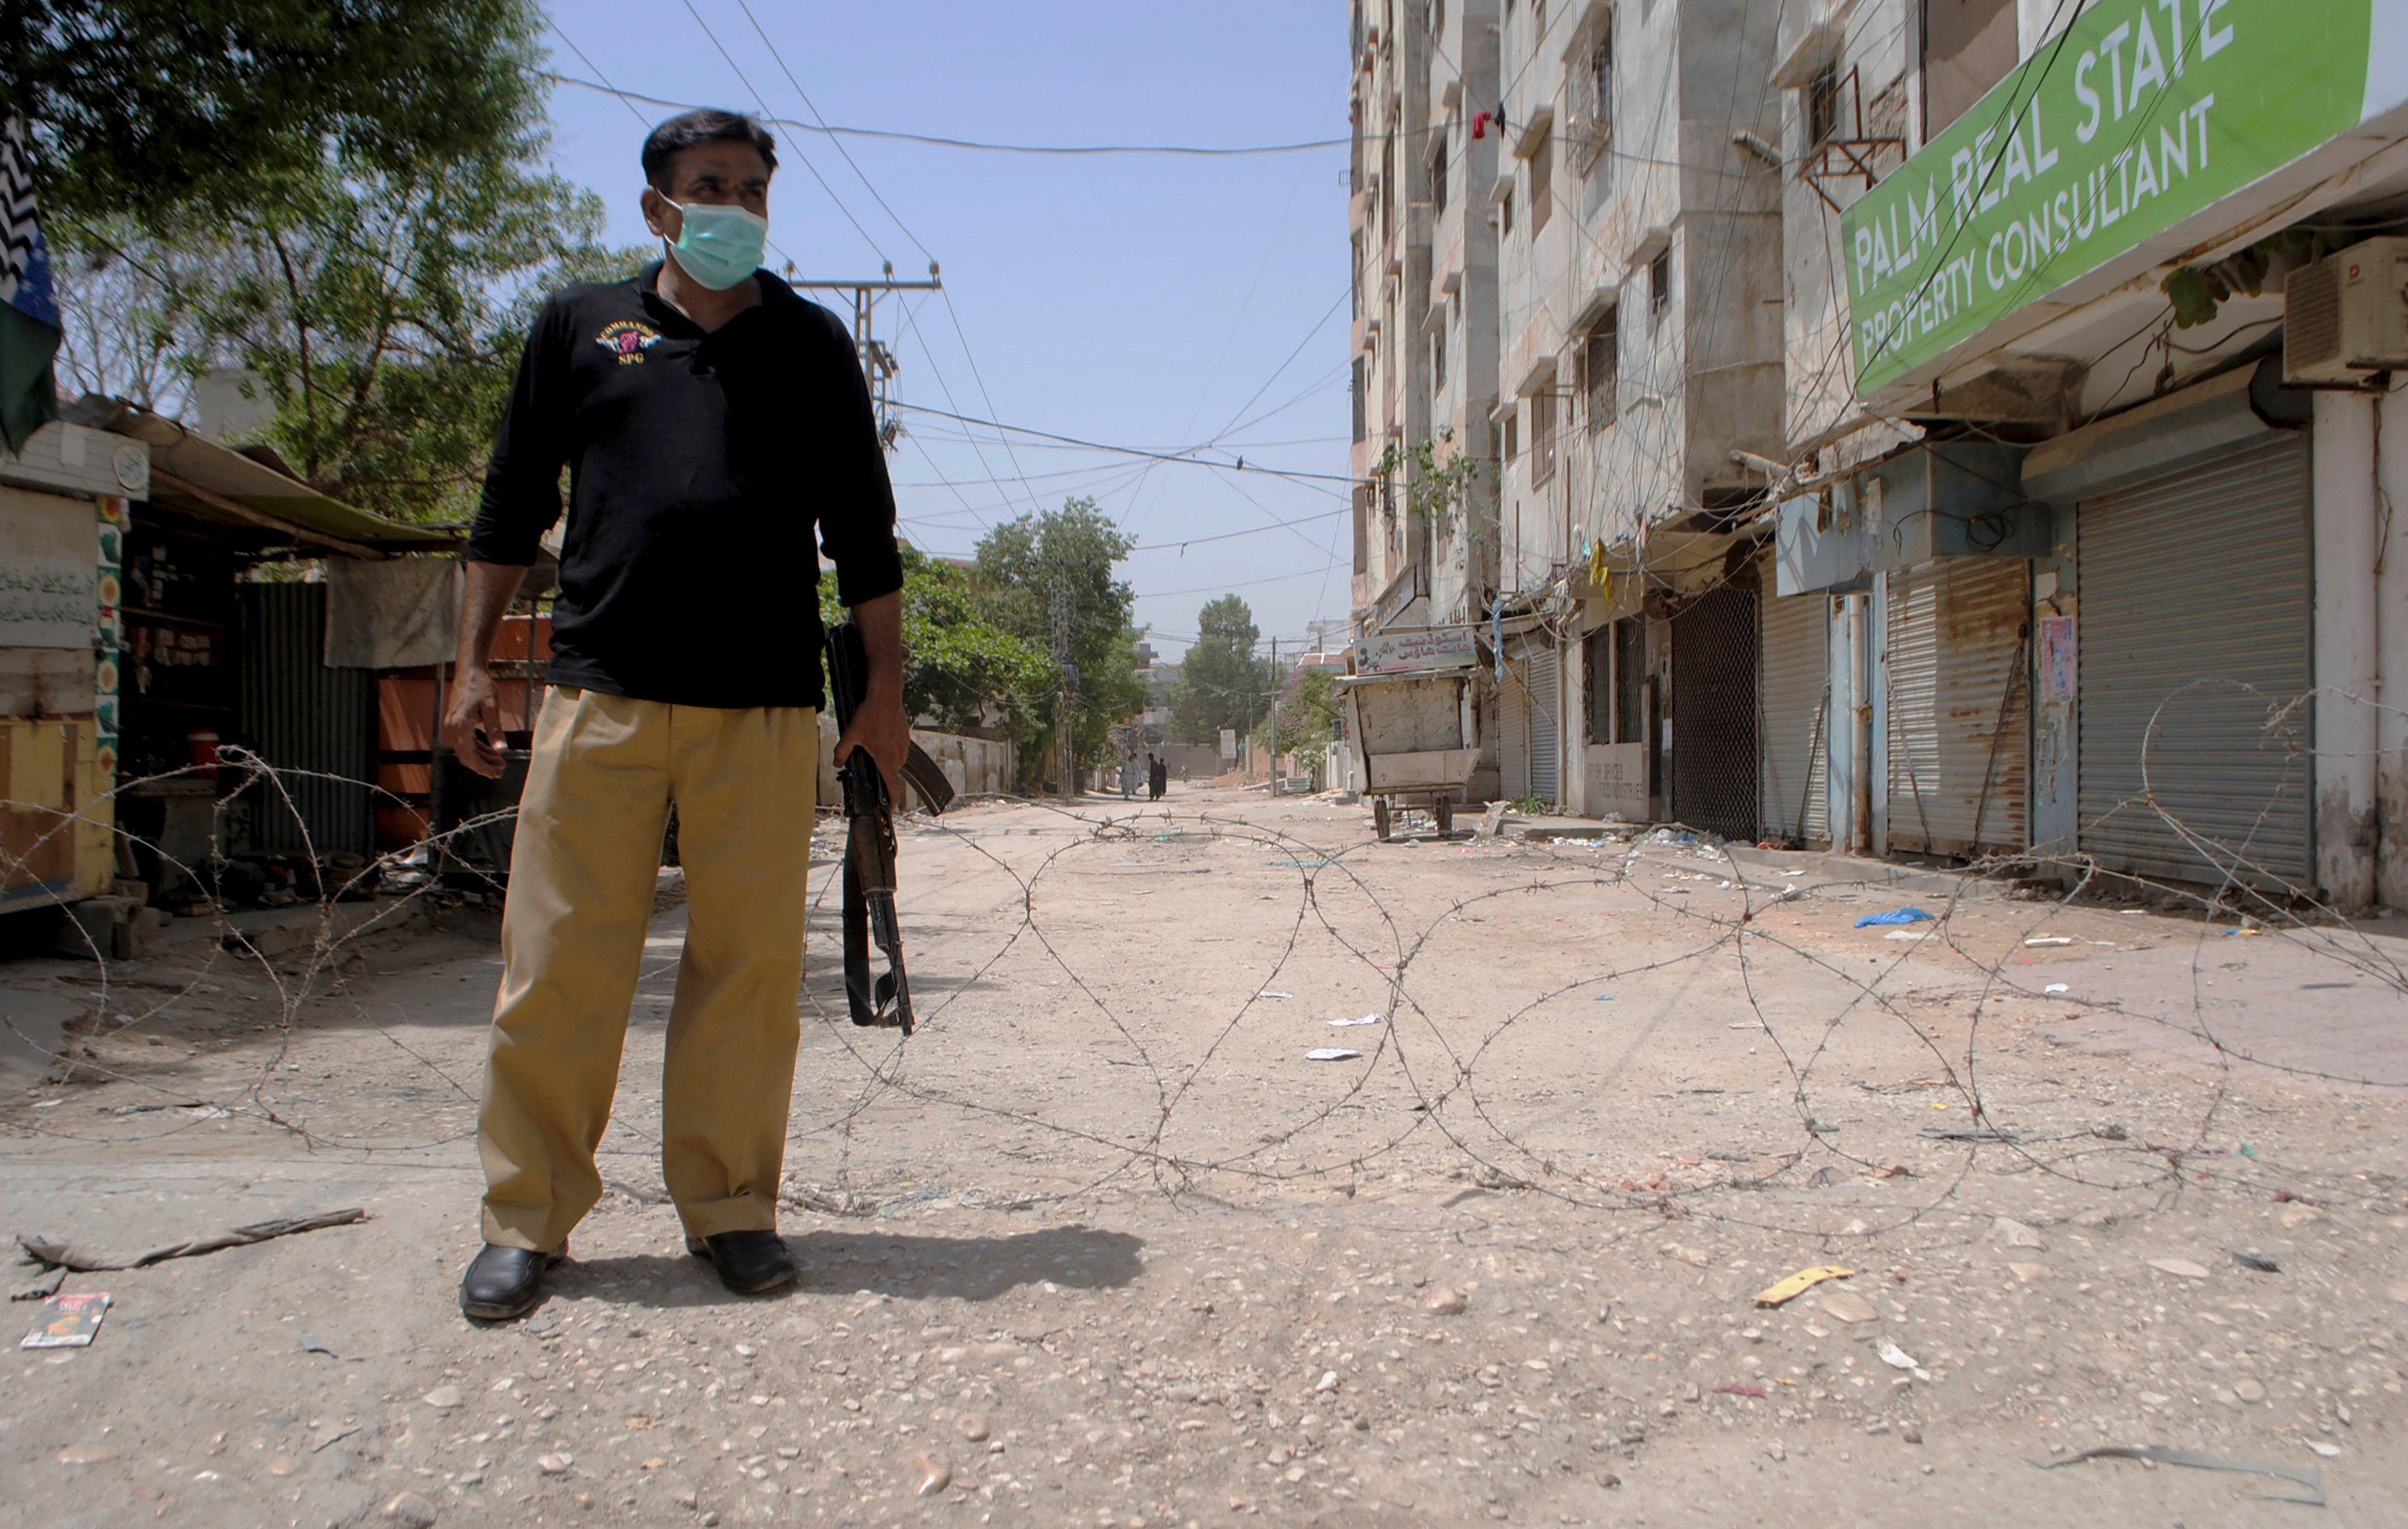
(2196, 658)
(1793, 674)
(316, 723)
(1954, 688)
(1714, 641)
(1545, 722)
(1513, 730)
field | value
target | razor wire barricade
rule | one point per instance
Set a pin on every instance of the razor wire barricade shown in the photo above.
(1431, 1080)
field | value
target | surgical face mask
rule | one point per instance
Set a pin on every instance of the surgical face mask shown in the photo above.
(719, 246)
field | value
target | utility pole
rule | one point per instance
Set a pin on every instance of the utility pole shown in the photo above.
(1065, 703)
(878, 362)
(1279, 682)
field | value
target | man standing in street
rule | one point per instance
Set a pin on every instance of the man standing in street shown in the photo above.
(710, 419)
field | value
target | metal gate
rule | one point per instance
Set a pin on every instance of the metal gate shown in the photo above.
(1713, 709)
(1793, 730)
(1546, 713)
(317, 723)
(2196, 642)
(1957, 683)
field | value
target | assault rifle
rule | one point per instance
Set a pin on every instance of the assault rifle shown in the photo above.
(884, 1001)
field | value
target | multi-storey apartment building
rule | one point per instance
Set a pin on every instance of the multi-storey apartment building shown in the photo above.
(1951, 428)
(1390, 224)
(1603, 336)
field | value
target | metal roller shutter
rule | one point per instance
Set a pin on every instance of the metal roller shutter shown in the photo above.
(1513, 730)
(2197, 616)
(1960, 705)
(1545, 723)
(1794, 681)
(1714, 638)
(316, 723)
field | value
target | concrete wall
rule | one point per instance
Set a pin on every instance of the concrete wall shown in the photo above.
(1879, 45)
(976, 766)
(2361, 649)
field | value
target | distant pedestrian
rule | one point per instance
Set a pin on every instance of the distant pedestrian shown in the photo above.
(1128, 777)
(1158, 777)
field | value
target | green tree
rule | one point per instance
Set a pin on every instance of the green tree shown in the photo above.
(178, 112)
(1307, 718)
(1221, 682)
(1025, 567)
(384, 311)
(960, 671)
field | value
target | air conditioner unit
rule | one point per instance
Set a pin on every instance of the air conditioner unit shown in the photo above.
(2346, 316)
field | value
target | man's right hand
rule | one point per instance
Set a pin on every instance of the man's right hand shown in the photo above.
(472, 729)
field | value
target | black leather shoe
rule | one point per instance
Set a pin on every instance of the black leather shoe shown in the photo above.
(748, 1263)
(505, 1282)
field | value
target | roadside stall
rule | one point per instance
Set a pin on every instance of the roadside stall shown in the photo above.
(1409, 710)
(62, 526)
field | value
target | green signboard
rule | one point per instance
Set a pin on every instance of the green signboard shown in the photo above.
(2140, 114)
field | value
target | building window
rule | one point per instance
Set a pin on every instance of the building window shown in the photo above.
(1363, 492)
(1542, 434)
(1596, 665)
(1601, 368)
(1438, 175)
(1505, 214)
(1438, 360)
(1600, 83)
(1967, 47)
(1659, 282)
(1822, 106)
(1358, 276)
(1630, 681)
(1359, 402)
(1541, 182)
(1513, 433)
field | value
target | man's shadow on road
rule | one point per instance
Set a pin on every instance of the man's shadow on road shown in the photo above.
(907, 1268)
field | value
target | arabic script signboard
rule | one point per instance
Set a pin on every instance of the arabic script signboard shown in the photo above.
(1401, 650)
(2141, 113)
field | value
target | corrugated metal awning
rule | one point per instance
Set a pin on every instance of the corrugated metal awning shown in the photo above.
(251, 489)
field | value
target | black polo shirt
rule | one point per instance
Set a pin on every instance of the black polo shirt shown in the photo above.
(698, 464)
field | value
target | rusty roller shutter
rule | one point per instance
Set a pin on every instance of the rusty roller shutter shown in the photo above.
(2196, 615)
(316, 725)
(1713, 709)
(1792, 733)
(1960, 705)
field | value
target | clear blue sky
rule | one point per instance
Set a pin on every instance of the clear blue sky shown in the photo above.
(1139, 301)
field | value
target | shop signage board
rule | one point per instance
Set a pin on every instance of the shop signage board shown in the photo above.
(2140, 114)
(1404, 650)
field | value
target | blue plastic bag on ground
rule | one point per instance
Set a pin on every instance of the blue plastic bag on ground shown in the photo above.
(1902, 915)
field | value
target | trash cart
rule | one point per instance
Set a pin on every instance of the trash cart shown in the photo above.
(1419, 739)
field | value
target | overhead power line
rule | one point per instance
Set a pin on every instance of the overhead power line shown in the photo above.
(1239, 466)
(939, 140)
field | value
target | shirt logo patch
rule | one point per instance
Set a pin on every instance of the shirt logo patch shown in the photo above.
(627, 340)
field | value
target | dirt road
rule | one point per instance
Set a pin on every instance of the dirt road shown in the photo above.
(1101, 1245)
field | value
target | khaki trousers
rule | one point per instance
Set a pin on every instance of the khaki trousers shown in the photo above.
(604, 772)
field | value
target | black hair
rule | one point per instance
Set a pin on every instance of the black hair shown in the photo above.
(705, 124)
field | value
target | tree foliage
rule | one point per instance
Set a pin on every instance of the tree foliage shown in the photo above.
(381, 291)
(960, 671)
(177, 112)
(1307, 718)
(1221, 682)
(1025, 567)
(1439, 480)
